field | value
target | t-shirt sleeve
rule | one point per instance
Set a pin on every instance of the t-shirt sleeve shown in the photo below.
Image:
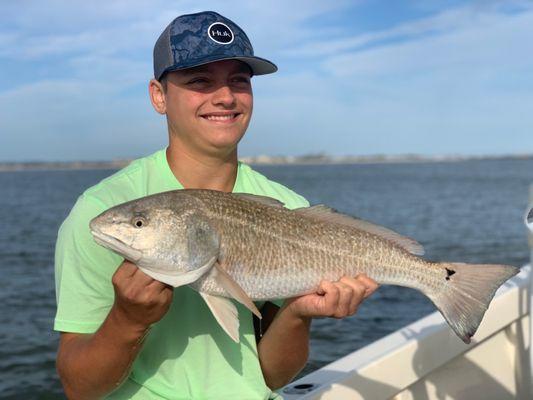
(83, 272)
(296, 201)
(290, 199)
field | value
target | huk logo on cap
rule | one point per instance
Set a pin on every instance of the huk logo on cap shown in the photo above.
(220, 33)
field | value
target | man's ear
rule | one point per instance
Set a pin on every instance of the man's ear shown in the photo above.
(157, 96)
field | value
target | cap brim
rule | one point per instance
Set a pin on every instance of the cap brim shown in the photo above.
(258, 65)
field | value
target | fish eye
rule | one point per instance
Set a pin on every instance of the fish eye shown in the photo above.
(138, 222)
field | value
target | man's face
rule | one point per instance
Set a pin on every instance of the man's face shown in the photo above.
(209, 107)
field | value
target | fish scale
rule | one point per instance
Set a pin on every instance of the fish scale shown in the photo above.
(293, 256)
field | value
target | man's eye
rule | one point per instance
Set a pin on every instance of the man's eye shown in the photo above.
(197, 80)
(241, 79)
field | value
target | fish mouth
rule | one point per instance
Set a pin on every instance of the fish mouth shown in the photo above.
(116, 245)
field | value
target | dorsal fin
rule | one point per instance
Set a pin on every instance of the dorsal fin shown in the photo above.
(324, 213)
(267, 201)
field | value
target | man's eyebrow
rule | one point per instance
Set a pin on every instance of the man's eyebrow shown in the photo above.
(195, 70)
(242, 68)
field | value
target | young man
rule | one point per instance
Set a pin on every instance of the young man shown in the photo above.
(127, 336)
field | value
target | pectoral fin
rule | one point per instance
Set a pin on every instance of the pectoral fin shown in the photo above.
(233, 288)
(225, 313)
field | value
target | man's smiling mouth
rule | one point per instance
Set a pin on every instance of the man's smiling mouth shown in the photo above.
(221, 117)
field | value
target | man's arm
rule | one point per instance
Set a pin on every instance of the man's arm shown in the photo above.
(93, 365)
(284, 349)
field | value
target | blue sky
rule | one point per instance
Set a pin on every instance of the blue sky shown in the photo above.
(355, 77)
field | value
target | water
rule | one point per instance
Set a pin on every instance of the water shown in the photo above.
(463, 211)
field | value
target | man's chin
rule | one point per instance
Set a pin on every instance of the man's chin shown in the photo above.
(224, 138)
(223, 148)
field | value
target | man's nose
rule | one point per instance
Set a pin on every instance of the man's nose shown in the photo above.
(224, 96)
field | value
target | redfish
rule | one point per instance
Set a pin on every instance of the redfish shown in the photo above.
(250, 247)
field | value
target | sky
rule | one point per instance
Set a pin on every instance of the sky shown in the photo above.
(360, 77)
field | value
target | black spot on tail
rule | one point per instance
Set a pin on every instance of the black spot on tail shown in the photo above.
(449, 272)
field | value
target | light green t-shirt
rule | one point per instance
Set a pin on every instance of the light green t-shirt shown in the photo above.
(186, 355)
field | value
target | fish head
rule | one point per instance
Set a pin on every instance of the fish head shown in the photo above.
(168, 238)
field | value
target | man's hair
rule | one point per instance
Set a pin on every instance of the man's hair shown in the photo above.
(163, 81)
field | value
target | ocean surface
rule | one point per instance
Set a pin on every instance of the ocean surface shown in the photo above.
(467, 211)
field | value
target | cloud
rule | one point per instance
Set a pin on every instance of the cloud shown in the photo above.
(464, 90)
(444, 22)
(455, 81)
(71, 36)
(118, 25)
(494, 42)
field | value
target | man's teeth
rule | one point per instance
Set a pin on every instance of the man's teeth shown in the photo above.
(220, 117)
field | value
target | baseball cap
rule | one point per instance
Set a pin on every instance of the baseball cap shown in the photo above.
(195, 39)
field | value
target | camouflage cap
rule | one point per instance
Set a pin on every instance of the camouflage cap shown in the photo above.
(195, 39)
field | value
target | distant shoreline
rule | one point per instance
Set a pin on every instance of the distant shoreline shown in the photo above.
(61, 166)
(313, 159)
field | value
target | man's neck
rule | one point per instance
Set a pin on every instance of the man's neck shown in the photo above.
(203, 172)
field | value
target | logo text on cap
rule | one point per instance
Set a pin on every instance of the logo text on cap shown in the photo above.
(220, 33)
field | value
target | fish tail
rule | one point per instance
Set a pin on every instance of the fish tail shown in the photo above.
(468, 290)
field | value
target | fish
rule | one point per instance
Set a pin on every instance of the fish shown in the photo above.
(251, 248)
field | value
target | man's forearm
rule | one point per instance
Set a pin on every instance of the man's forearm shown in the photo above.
(91, 366)
(284, 349)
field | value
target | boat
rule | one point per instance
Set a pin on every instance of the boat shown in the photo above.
(426, 360)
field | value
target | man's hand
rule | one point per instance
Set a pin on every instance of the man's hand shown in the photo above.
(92, 365)
(284, 348)
(139, 299)
(333, 299)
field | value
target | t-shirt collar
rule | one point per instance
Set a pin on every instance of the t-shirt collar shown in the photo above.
(170, 182)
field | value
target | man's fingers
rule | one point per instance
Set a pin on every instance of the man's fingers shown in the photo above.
(126, 269)
(160, 286)
(335, 299)
(124, 273)
(331, 297)
(160, 290)
(133, 283)
(346, 295)
(358, 292)
(370, 284)
(141, 277)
